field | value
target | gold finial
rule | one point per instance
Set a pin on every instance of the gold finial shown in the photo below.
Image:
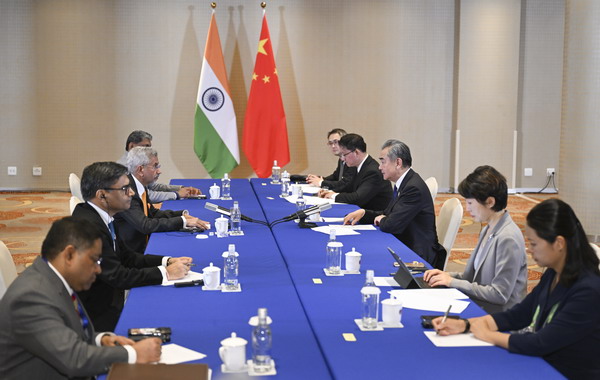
(263, 5)
(213, 5)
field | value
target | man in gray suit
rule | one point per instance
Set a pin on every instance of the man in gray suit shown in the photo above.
(45, 332)
(157, 192)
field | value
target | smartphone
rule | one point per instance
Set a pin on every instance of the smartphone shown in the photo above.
(164, 333)
(427, 320)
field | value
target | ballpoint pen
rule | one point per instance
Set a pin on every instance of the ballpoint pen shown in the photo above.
(445, 316)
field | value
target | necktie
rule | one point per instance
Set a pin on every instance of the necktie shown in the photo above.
(82, 317)
(341, 171)
(111, 227)
(145, 202)
(395, 193)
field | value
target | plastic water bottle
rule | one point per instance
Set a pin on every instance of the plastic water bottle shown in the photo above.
(333, 262)
(370, 302)
(331, 235)
(275, 173)
(236, 219)
(261, 343)
(285, 184)
(300, 201)
(231, 265)
(225, 187)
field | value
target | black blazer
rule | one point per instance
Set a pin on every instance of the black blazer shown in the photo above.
(333, 181)
(411, 218)
(133, 227)
(367, 189)
(121, 269)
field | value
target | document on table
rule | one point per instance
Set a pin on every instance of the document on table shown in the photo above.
(333, 220)
(458, 340)
(451, 293)
(338, 231)
(311, 201)
(191, 276)
(174, 354)
(356, 227)
(430, 299)
(385, 281)
(309, 189)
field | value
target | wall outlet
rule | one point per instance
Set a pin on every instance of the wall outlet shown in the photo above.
(12, 170)
(528, 172)
(550, 172)
(37, 171)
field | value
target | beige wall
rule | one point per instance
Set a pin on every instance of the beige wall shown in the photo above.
(78, 76)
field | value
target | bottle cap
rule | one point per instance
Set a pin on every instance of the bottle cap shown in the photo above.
(274, 162)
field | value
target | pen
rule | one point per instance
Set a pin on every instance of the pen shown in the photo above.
(190, 264)
(446, 315)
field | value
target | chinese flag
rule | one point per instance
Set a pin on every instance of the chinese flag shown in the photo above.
(265, 132)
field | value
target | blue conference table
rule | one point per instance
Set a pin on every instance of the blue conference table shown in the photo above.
(201, 319)
(332, 306)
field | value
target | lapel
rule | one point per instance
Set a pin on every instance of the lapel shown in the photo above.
(491, 241)
(360, 174)
(405, 181)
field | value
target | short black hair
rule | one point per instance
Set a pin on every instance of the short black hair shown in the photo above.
(79, 233)
(352, 141)
(552, 218)
(100, 175)
(137, 137)
(339, 131)
(400, 150)
(484, 182)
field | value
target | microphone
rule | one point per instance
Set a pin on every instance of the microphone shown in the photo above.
(308, 212)
(225, 211)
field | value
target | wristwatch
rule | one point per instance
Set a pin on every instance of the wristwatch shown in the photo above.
(467, 326)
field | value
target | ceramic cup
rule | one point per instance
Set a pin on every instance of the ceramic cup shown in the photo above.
(353, 261)
(212, 277)
(222, 225)
(233, 352)
(391, 310)
(215, 191)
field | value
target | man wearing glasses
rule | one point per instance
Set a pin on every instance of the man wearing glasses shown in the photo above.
(367, 189)
(135, 224)
(106, 190)
(342, 174)
(45, 333)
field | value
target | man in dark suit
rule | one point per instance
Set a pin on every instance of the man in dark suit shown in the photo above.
(410, 215)
(44, 331)
(106, 189)
(342, 174)
(135, 224)
(367, 189)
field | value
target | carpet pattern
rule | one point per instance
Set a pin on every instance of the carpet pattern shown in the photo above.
(25, 218)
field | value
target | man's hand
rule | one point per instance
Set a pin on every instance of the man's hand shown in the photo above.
(193, 222)
(115, 340)
(325, 194)
(177, 270)
(147, 350)
(436, 277)
(314, 180)
(183, 260)
(354, 217)
(450, 327)
(378, 219)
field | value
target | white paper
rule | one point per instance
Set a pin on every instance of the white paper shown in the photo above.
(356, 227)
(338, 231)
(309, 189)
(385, 281)
(333, 220)
(311, 201)
(428, 299)
(450, 293)
(191, 276)
(458, 340)
(174, 354)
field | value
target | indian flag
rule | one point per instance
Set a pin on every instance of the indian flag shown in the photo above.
(215, 129)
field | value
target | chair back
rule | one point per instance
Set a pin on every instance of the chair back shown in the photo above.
(74, 201)
(75, 185)
(432, 184)
(8, 271)
(447, 224)
(597, 250)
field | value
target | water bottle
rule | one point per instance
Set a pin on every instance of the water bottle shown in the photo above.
(275, 173)
(236, 219)
(261, 343)
(285, 184)
(332, 235)
(231, 266)
(225, 187)
(333, 263)
(300, 201)
(370, 302)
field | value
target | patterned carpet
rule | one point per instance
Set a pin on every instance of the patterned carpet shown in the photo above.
(25, 218)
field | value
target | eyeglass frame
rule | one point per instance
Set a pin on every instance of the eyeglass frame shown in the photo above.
(124, 189)
(333, 142)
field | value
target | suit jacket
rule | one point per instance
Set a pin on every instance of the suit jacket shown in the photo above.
(367, 189)
(334, 182)
(41, 335)
(411, 218)
(133, 227)
(121, 269)
(500, 280)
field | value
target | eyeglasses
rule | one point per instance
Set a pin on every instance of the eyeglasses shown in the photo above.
(124, 189)
(155, 166)
(333, 142)
(345, 154)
